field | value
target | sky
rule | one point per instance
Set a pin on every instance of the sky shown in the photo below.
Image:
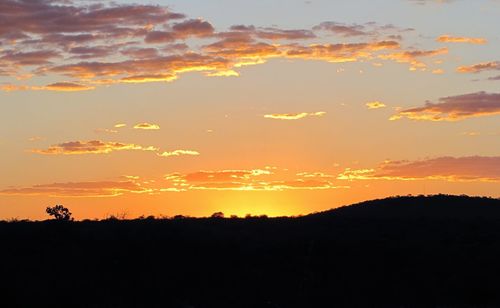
(273, 107)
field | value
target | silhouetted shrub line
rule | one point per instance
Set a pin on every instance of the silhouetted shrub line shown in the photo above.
(434, 251)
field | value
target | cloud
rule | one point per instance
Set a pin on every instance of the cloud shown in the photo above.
(480, 67)
(109, 43)
(342, 29)
(413, 57)
(105, 131)
(79, 189)
(339, 53)
(67, 87)
(471, 168)
(157, 37)
(147, 126)
(224, 175)
(148, 78)
(102, 147)
(294, 116)
(167, 65)
(228, 73)
(90, 147)
(141, 53)
(246, 180)
(369, 29)
(183, 30)
(267, 179)
(13, 87)
(375, 105)
(455, 108)
(28, 58)
(240, 48)
(193, 27)
(461, 39)
(92, 51)
(58, 86)
(48, 17)
(120, 125)
(179, 153)
(269, 33)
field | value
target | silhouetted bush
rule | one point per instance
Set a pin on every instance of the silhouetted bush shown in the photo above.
(59, 212)
(217, 215)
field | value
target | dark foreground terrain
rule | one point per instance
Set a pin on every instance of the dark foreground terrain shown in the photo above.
(439, 251)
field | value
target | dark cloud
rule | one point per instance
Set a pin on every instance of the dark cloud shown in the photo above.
(455, 108)
(167, 64)
(67, 86)
(156, 37)
(46, 17)
(267, 33)
(480, 67)
(141, 53)
(29, 58)
(103, 43)
(90, 147)
(193, 27)
(342, 29)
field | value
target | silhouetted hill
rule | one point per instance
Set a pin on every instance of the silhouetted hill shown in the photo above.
(439, 251)
(420, 207)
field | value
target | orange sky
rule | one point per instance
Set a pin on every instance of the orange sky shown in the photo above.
(172, 108)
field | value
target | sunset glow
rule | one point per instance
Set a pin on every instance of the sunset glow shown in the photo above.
(170, 107)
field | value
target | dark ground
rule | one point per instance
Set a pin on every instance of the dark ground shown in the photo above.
(439, 251)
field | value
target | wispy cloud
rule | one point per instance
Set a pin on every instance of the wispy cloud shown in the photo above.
(79, 189)
(480, 67)
(341, 29)
(461, 39)
(105, 131)
(375, 105)
(179, 153)
(472, 168)
(267, 179)
(147, 126)
(270, 33)
(67, 87)
(369, 29)
(340, 53)
(91, 147)
(58, 86)
(249, 180)
(294, 116)
(414, 57)
(455, 108)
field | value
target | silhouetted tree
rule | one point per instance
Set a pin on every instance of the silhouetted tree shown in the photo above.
(59, 212)
(218, 215)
